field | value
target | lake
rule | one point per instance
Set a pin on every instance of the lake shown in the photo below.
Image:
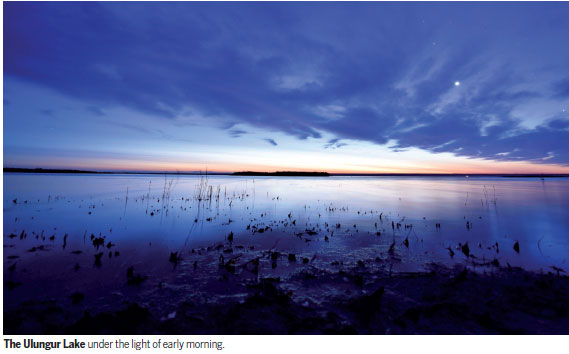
(81, 233)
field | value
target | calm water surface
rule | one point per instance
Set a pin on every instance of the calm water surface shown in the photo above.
(333, 222)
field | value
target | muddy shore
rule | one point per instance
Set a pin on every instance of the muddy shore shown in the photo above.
(439, 301)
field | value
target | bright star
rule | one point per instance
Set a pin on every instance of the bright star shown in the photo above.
(457, 83)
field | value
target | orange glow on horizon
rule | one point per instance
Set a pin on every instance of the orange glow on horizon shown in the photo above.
(479, 167)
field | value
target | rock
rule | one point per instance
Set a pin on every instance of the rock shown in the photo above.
(466, 250)
(517, 247)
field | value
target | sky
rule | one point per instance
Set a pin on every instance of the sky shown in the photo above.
(310, 86)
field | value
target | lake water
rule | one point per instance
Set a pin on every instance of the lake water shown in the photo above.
(327, 223)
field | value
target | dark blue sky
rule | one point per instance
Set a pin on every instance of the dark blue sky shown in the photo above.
(457, 84)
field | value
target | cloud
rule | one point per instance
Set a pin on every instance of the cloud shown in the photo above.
(373, 72)
(330, 112)
(96, 110)
(561, 88)
(271, 141)
(334, 144)
(236, 133)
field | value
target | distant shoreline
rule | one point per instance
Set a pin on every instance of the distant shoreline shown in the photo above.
(284, 173)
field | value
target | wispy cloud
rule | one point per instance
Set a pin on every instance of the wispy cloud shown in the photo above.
(334, 144)
(236, 133)
(271, 141)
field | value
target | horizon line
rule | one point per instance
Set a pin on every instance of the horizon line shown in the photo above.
(267, 173)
